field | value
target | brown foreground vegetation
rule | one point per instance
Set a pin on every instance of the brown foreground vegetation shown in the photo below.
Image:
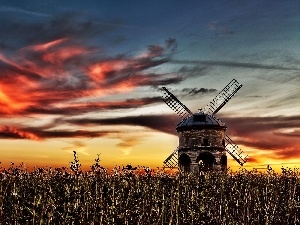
(141, 196)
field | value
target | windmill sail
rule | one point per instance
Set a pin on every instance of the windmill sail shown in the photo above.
(175, 104)
(172, 161)
(209, 111)
(223, 97)
(234, 151)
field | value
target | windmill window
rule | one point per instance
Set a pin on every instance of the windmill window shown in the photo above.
(205, 142)
(193, 141)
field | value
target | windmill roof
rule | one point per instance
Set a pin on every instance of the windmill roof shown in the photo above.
(199, 121)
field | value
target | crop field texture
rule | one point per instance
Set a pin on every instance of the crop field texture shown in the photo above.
(141, 196)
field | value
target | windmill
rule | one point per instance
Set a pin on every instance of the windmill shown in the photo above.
(203, 143)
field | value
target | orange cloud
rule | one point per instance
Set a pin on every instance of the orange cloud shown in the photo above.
(252, 159)
(101, 71)
(45, 46)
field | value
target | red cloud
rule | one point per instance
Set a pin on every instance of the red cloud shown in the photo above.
(107, 70)
(15, 133)
(45, 46)
(58, 73)
(252, 160)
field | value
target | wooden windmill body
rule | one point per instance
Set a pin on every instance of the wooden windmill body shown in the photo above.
(203, 143)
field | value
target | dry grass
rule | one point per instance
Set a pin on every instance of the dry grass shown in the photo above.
(69, 196)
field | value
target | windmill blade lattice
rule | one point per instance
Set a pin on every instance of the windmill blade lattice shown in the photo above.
(222, 98)
(234, 151)
(172, 161)
(175, 104)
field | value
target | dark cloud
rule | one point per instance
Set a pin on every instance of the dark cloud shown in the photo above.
(252, 131)
(233, 64)
(251, 125)
(288, 153)
(46, 134)
(266, 133)
(295, 133)
(196, 91)
(171, 43)
(263, 133)
(36, 133)
(19, 33)
(155, 50)
(262, 143)
(81, 108)
(7, 132)
(193, 71)
(163, 123)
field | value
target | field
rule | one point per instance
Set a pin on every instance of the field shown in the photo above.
(141, 196)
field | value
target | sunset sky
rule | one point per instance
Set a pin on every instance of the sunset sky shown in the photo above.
(84, 76)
